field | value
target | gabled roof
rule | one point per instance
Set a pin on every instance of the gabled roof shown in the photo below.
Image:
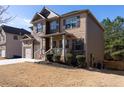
(27, 37)
(13, 30)
(37, 15)
(48, 13)
(45, 14)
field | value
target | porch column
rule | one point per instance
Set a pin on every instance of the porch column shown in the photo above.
(63, 47)
(41, 45)
(51, 42)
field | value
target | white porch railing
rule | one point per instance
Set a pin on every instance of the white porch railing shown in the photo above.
(40, 54)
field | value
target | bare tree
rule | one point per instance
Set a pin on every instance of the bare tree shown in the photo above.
(4, 17)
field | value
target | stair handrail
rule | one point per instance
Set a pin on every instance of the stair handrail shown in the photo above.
(38, 50)
(48, 50)
(43, 54)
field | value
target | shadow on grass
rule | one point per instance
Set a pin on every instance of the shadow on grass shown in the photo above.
(58, 65)
(62, 65)
(108, 71)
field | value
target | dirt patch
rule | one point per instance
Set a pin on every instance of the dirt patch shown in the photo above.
(36, 75)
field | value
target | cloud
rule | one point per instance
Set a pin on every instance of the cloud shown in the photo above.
(27, 21)
(20, 22)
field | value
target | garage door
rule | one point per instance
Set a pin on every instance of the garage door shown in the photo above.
(28, 53)
(2, 53)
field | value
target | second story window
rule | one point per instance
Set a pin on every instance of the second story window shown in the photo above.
(78, 44)
(53, 26)
(71, 22)
(38, 27)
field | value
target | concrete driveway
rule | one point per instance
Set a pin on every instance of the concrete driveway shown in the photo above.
(19, 60)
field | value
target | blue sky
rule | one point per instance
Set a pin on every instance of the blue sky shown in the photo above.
(23, 14)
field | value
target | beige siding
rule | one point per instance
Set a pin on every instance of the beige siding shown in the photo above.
(13, 47)
(95, 41)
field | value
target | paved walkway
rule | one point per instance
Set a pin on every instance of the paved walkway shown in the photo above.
(19, 60)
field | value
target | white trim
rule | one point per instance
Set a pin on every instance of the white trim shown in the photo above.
(35, 16)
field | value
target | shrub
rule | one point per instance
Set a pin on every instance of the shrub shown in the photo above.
(118, 56)
(81, 60)
(56, 57)
(50, 57)
(69, 58)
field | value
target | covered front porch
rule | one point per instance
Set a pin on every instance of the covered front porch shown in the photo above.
(55, 42)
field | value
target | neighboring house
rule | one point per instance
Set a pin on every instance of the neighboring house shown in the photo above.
(76, 31)
(10, 44)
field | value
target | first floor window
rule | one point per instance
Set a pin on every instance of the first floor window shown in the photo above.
(78, 44)
(67, 44)
(54, 44)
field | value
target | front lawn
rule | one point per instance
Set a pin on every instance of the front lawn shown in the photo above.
(30, 74)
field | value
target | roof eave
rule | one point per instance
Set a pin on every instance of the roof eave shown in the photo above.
(35, 16)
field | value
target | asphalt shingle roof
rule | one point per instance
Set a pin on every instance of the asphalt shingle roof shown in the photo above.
(73, 12)
(13, 30)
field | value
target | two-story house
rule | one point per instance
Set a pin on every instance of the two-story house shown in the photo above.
(10, 41)
(76, 31)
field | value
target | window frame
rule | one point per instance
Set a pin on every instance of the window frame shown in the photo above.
(54, 44)
(67, 43)
(71, 22)
(78, 43)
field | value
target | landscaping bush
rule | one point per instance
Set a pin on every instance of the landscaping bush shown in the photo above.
(118, 56)
(81, 60)
(56, 57)
(50, 57)
(69, 58)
